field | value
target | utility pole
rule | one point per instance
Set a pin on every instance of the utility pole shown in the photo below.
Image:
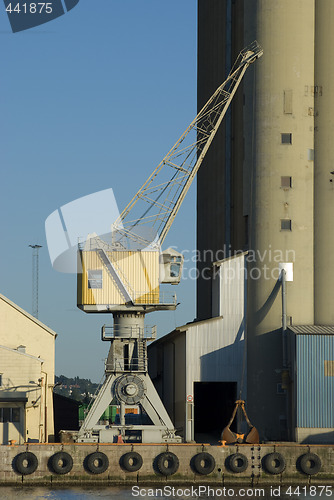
(35, 279)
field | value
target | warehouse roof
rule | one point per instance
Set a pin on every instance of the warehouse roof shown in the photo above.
(235, 256)
(312, 329)
(180, 329)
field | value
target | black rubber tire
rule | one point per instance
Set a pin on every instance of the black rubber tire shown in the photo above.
(310, 463)
(208, 462)
(26, 463)
(238, 462)
(61, 462)
(274, 463)
(131, 461)
(102, 462)
(167, 463)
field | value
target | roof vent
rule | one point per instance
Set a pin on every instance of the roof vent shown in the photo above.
(22, 348)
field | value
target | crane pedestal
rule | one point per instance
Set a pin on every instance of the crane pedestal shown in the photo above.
(128, 385)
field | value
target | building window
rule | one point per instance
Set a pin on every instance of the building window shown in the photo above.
(285, 224)
(0, 379)
(286, 182)
(95, 278)
(9, 415)
(287, 102)
(15, 414)
(286, 138)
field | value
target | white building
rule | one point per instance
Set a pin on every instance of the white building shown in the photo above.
(27, 363)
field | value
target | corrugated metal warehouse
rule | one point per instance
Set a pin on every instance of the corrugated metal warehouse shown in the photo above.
(199, 368)
(312, 349)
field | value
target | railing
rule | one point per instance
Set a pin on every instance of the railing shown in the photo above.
(136, 365)
(96, 243)
(155, 298)
(136, 332)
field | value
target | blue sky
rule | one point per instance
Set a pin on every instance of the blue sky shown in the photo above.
(89, 101)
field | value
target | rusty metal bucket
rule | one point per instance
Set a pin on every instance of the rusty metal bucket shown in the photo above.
(230, 437)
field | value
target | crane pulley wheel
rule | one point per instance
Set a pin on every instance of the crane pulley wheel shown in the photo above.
(130, 389)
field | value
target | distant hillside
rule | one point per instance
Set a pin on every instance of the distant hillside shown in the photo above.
(80, 389)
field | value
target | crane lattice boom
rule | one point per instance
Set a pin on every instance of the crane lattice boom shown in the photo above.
(157, 202)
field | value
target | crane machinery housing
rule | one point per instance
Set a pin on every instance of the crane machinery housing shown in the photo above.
(121, 273)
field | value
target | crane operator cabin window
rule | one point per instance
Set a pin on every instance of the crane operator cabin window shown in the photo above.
(175, 267)
(95, 278)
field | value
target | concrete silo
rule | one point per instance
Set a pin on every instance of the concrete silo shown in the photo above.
(261, 190)
(324, 164)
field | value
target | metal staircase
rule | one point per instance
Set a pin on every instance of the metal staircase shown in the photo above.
(111, 268)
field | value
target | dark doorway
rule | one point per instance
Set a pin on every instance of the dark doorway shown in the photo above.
(66, 415)
(213, 407)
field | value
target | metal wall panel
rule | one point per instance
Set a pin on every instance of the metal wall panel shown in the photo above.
(139, 271)
(216, 348)
(232, 302)
(315, 389)
(214, 354)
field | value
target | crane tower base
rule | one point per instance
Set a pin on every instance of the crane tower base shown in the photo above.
(128, 386)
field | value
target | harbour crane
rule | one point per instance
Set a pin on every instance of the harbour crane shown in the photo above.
(121, 273)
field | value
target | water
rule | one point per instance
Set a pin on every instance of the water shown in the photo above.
(32, 493)
(165, 492)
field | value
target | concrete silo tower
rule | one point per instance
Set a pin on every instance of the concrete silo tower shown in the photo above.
(324, 164)
(266, 186)
(279, 156)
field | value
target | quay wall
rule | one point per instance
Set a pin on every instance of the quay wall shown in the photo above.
(115, 474)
